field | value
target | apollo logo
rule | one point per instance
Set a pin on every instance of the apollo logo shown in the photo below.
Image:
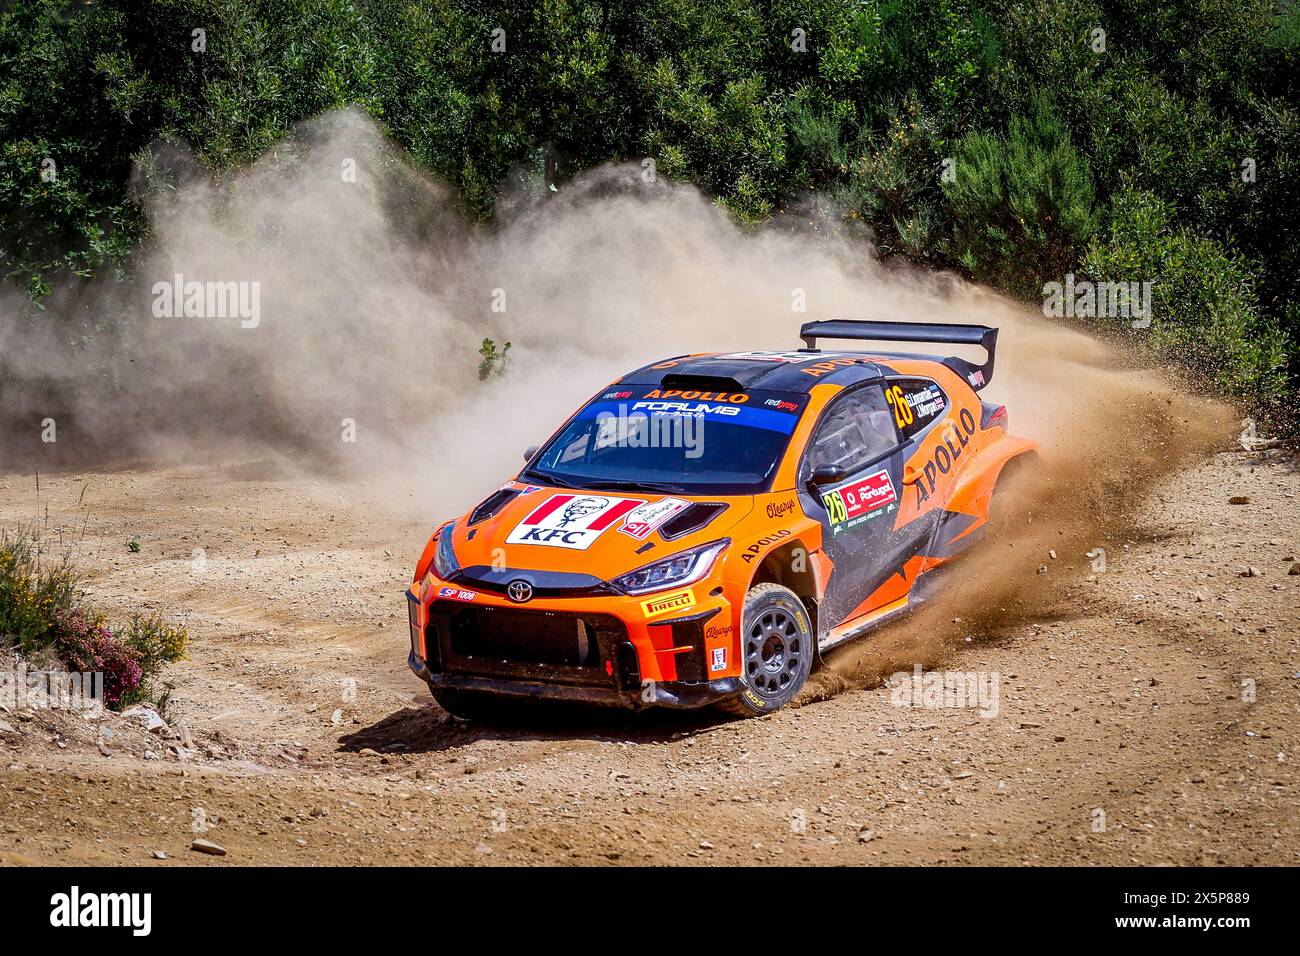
(945, 454)
(75, 909)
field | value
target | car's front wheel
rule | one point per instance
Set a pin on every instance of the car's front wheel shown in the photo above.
(777, 648)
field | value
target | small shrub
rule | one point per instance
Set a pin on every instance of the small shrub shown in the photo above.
(493, 361)
(33, 588)
(84, 643)
(154, 642)
(40, 615)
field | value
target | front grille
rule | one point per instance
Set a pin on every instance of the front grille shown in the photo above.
(529, 637)
(536, 645)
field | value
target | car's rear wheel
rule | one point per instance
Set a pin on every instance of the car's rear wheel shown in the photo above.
(777, 648)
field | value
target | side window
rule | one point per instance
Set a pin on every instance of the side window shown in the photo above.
(914, 403)
(856, 429)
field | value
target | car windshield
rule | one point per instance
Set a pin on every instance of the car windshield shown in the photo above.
(644, 438)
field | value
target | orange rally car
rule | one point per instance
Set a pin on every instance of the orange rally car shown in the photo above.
(706, 527)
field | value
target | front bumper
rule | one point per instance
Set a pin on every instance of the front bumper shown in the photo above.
(678, 695)
(609, 650)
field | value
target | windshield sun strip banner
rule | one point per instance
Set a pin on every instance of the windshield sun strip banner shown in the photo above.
(769, 411)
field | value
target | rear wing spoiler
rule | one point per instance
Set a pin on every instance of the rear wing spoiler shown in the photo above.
(977, 375)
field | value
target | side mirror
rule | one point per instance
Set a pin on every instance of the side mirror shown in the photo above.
(911, 475)
(529, 452)
(827, 474)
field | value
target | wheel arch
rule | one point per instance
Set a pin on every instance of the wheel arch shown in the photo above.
(791, 566)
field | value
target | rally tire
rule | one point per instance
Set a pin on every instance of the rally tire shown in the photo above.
(777, 648)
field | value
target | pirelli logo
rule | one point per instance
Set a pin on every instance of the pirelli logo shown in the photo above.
(679, 601)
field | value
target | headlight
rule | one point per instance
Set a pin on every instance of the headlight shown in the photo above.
(686, 567)
(444, 556)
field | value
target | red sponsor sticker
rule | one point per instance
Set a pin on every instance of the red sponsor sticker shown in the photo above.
(872, 492)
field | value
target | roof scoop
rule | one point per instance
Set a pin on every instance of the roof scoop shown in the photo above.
(703, 383)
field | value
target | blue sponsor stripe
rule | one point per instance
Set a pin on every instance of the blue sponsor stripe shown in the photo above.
(765, 418)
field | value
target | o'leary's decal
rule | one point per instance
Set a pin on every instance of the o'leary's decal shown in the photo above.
(945, 453)
(572, 521)
(677, 601)
(851, 504)
(777, 509)
(643, 520)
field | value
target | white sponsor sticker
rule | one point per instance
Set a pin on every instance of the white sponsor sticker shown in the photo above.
(642, 521)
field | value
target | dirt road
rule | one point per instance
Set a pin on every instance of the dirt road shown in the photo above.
(1148, 716)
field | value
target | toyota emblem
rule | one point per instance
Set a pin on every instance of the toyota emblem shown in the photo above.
(519, 591)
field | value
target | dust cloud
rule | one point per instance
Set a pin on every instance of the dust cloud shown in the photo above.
(373, 293)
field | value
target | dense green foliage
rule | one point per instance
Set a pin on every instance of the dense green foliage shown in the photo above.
(1121, 157)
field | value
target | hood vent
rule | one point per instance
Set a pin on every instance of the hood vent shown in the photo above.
(692, 519)
(492, 504)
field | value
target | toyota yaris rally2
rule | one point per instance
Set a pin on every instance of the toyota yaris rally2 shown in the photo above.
(707, 526)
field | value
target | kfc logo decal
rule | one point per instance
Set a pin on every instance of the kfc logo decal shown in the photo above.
(571, 521)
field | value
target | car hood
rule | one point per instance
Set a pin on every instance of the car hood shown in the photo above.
(597, 535)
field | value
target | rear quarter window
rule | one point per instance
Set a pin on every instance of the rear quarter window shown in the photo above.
(915, 403)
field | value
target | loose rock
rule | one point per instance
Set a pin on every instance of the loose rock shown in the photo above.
(207, 846)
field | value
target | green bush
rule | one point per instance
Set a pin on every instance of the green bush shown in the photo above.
(1047, 127)
(155, 642)
(1022, 203)
(1204, 310)
(895, 183)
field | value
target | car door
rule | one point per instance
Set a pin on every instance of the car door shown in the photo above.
(920, 406)
(857, 433)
